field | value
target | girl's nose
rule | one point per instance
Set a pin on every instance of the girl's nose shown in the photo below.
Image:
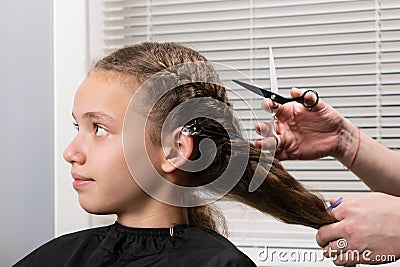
(75, 152)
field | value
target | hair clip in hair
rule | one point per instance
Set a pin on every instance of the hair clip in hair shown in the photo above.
(194, 129)
(191, 129)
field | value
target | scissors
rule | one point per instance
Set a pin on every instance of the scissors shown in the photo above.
(277, 99)
(273, 94)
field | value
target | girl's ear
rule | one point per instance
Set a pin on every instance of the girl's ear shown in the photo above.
(178, 152)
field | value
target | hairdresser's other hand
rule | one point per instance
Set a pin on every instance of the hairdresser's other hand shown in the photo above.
(304, 134)
(368, 227)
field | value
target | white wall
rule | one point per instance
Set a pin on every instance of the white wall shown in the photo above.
(72, 54)
(26, 134)
(70, 60)
(44, 54)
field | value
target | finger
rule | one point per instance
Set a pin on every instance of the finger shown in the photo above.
(295, 92)
(336, 247)
(339, 211)
(263, 129)
(281, 155)
(345, 259)
(269, 144)
(269, 106)
(334, 203)
(327, 233)
(332, 200)
(258, 143)
(309, 98)
(329, 251)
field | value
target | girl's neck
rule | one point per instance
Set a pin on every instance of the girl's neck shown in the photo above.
(159, 215)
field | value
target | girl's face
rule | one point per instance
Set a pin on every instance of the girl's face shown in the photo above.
(101, 176)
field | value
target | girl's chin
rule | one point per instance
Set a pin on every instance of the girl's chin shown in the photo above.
(94, 208)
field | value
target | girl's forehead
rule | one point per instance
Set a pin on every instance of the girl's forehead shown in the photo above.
(98, 93)
(129, 81)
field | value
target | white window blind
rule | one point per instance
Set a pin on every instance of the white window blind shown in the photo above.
(349, 51)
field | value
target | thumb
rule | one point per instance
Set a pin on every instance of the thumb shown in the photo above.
(309, 98)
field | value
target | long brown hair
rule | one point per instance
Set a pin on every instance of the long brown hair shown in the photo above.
(280, 195)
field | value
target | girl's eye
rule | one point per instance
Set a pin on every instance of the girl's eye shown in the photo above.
(76, 126)
(99, 131)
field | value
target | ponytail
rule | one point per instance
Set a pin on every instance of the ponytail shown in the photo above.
(280, 195)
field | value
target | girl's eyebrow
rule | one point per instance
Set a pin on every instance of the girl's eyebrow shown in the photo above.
(96, 115)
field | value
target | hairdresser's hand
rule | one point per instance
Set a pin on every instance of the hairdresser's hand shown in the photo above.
(368, 227)
(304, 134)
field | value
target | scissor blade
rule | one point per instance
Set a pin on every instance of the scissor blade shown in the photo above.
(262, 92)
(254, 89)
(272, 73)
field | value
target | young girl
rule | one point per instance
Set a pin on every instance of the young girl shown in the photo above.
(150, 232)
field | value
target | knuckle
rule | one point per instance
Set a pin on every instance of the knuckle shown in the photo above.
(339, 261)
(348, 230)
(321, 238)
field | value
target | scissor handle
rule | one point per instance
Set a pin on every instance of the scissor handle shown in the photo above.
(309, 105)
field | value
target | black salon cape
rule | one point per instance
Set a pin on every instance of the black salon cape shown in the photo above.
(117, 245)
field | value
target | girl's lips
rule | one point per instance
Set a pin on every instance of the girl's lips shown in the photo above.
(80, 181)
